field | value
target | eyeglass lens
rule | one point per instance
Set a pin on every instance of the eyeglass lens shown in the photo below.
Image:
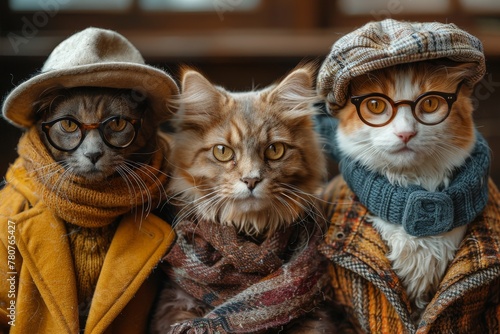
(67, 134)
(379, 110)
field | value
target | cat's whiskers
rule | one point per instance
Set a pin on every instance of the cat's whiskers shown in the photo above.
(148, 171)
(316, 198)
(309, 206)
(57, 188)
(295, 212)
(195, 205)
(52, 167)
(186, 195)
(130, 185)
(141, 184)
(288, 207)
(133, 180)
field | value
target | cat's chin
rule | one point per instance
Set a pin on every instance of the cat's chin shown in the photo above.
(257, 223)
(404, 151)
(255, 219)
(251, 204)
(91, 175)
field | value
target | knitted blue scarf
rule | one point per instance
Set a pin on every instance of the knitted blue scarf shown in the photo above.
(421, 212)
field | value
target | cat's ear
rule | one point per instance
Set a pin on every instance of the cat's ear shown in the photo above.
(461, 70)
(199, 99)
(296, 91)
(196, 89)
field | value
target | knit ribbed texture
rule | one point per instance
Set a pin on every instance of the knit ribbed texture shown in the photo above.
(90, 204)
(422, 213)
(88, 248)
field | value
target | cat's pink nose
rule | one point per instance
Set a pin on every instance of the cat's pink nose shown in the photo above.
(251, 182)
(406, 136)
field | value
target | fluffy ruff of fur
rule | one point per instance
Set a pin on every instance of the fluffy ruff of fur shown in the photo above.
(420, 262)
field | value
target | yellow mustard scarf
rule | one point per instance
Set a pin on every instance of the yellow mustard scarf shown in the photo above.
(78, 201)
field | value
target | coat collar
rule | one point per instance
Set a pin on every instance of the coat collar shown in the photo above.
(133, 254)
(45, 251)
(353, 243)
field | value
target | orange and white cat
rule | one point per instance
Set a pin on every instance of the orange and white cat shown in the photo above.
(392, 142)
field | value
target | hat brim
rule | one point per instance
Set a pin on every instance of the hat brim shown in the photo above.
(156, 84)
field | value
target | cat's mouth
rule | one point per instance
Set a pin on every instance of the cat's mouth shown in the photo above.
(403, 150)
(92, 174)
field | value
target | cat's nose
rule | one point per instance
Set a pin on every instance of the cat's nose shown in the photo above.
(406, 136)
(251, 182)
(93, 156)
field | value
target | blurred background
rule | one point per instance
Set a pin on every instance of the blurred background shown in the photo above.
(240, 44)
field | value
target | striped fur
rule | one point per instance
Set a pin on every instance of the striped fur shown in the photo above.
(247, 123)
(265, 185)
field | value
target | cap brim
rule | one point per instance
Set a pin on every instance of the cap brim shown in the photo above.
(156, 84)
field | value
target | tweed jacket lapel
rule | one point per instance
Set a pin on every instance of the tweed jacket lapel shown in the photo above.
(354, 245)
(476, 263)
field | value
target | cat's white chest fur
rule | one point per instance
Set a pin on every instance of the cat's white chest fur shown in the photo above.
(420, 262)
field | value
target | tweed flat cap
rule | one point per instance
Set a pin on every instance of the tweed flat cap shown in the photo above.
(92, 57)
(385, 43)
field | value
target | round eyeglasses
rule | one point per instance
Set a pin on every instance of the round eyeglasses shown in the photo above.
(430, 108)
(67, 133)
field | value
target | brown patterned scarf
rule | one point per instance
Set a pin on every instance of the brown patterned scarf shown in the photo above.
(80, 202)
(252, 285)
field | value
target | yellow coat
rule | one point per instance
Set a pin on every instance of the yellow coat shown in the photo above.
(35, 257)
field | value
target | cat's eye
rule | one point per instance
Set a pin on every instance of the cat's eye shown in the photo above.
(68, 125)
(223, 153)
(117, 124)
(429, 104)
(275, 151)
(376, 105)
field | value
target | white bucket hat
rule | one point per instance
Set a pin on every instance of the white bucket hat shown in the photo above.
(92, 57)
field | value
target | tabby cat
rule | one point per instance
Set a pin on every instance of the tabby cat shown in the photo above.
(412, 123)
(249, 160)
(102, 159)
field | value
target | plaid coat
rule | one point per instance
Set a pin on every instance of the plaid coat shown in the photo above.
(467, 300)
